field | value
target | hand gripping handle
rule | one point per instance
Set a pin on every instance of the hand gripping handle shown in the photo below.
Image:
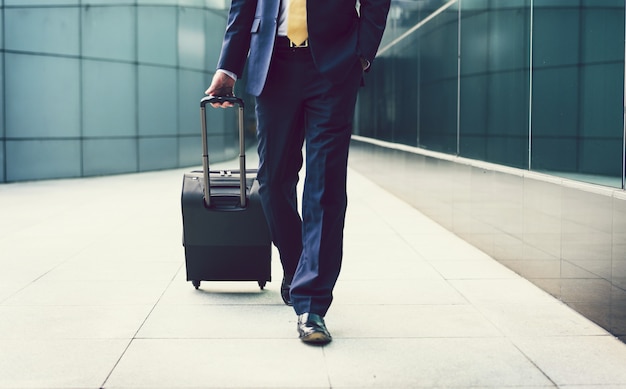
(237, 102)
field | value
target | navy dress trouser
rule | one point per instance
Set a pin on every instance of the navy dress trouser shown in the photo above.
(298, 106)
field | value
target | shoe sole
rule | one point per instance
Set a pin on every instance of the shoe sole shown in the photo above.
(316, 337)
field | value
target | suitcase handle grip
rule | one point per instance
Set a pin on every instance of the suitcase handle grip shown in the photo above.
(221, 99)
(205, 147)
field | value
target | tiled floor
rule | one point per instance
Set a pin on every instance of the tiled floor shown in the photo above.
(93, 294)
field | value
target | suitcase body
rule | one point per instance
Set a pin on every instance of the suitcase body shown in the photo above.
(225, 234)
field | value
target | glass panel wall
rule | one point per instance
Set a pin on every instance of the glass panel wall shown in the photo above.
(578, 89)
(532, 84)
(96, 87)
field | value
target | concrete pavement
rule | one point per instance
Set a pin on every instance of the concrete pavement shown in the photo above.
(93, 295)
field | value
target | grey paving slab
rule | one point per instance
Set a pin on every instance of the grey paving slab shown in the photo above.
(58, 363)
(396, 292)
(78, 292)
(169, 321)
(71, 322)
(578, 360)
(430, 363)
(220, 363)
(410, 321)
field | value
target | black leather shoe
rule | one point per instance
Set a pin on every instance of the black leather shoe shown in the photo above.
(312, 329)
(284, 290)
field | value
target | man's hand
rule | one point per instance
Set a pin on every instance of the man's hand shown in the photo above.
(221, 85)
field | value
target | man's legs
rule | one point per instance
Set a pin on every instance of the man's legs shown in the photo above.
(298, 102)
(329, 115)
(280, 133)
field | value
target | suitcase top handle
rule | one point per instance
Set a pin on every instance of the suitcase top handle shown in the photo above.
(205, 148)
(221, 99)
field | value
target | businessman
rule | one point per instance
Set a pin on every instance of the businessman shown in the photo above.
(305, 66)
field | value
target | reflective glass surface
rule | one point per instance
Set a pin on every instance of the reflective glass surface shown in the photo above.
(105, 87)
(109, 32)
(37, 159)
(109, 155)
(42, 30)
(536, 87)
(157, 101)
(156, 29)
(51, 84)
(578, 89)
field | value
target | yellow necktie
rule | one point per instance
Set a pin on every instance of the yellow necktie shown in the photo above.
(296, 22)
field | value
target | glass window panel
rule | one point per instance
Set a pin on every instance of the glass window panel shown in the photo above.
(157, 35)
(106, 156)
(40, 2)
(189, 108)
(157, 101)
(557, 3)
(399, 117)
(555, 104)
(475, 5)
(192, 3)
(601, 101)
(157, 153)
(578, 90)
(38, 159)
(474, 42)
(475, 104)
(49, 84)
(191, 39)
(603, 34)
(217, 4)
(109, 32)
(2, 161)
(438, 116)
(106, 2)
(109, 99)
(2, 130)
(1, 29)
(224, 147)
(508, 38)
(157, 2)
(556, 37)
(438, 70)
(601, 157)
(42, 30)
(189, 150)
(499, 5)
(215, 27)
(604, 3)
(507, 118)
(602, 120)
(495, 82)
(554, 154)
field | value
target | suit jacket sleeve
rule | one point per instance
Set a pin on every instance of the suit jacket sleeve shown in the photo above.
(236, 42)
(372, 21)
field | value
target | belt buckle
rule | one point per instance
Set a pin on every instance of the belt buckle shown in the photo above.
(294, 46)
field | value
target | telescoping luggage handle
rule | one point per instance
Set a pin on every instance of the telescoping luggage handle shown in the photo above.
(205, 147)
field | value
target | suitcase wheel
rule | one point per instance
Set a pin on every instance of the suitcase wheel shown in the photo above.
(261, 284)
(196, 283)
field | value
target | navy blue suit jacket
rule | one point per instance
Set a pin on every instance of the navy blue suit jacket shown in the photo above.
(338, 36)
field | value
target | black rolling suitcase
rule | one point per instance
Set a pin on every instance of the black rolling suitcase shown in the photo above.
(225, 234)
